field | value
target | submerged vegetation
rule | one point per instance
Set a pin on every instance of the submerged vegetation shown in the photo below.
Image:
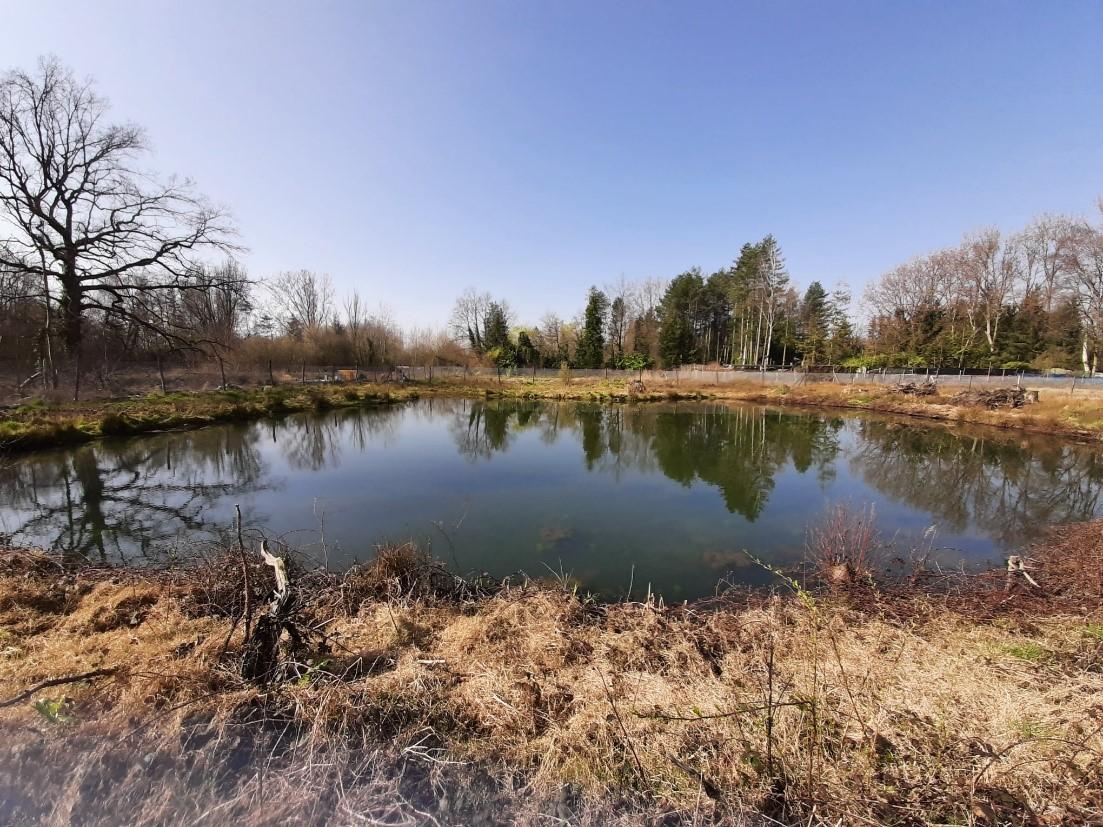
(415, 696)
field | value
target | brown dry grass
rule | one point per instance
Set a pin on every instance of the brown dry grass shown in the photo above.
(976, 705)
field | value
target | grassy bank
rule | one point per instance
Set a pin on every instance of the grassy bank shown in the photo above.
(41, 424)
(416, 699)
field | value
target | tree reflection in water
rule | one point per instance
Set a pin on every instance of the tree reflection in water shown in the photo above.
(1010, 487)
(112, 499)
(122, 499)
(736, 450)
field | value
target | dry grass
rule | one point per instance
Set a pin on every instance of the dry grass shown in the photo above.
(417, 703)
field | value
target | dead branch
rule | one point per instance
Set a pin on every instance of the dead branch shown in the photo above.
(46, 684)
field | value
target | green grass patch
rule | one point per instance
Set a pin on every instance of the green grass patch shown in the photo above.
(1029, 728)
(1028, 651)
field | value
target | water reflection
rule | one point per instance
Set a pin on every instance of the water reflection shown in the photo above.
(1010, 488)
(736, 450)
(115, 499)
(598, 482)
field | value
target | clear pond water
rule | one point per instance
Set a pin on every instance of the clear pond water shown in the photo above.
(662, 494)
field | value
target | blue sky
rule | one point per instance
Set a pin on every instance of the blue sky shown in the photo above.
(411, 149)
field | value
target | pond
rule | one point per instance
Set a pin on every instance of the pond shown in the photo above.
(667, 495)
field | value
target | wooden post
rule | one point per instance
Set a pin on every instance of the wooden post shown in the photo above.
(304, 373)
(161, 371)
(271, 378)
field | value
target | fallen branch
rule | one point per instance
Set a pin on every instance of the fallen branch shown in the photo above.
(38, 687)
(1016, 565)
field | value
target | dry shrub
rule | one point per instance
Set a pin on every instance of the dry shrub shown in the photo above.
(405, 570)
(1069, 563)
(844, 545)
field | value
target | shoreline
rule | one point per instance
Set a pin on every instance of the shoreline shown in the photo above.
(937, 701)
(39, 425)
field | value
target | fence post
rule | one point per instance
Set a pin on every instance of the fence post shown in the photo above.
(304, 373)
(271, 378)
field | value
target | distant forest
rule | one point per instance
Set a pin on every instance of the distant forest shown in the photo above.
(103, 264)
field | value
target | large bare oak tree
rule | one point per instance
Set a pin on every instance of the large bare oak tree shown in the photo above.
(87, 227)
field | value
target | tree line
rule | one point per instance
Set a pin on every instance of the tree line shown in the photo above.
(748, 314)
(1031, 299)
(104, 264)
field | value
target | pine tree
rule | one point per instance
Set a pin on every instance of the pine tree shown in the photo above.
(814, 322)
(678, 316)
(591, 345)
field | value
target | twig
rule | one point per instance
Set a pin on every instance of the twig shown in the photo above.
(248, 610)
(623, 729)
(743, 710)
(38, 687)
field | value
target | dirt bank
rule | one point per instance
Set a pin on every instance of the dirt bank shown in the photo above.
(415, 700)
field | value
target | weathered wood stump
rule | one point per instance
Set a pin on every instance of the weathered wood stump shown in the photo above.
(262, 650)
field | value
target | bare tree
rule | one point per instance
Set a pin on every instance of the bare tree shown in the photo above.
(355, 320)
(1083, 258)
(1042, 248)
(621, 298)
(304, 300)
(78, 213)
(992, 270)
(468, 316)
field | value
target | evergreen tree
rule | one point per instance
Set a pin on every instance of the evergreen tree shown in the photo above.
(815, 318)
(678, 319)
(591, 345)
(526, 352)
(498, 347)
